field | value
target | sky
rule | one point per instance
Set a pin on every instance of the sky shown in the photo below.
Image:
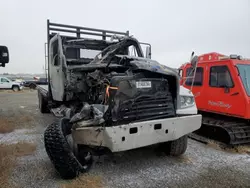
(174, 28)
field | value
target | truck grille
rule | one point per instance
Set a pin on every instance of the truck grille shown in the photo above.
(147, 108)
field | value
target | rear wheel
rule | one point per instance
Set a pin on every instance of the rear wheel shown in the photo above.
(32, 86)
(43, 104)
(15, 88)
(175, 147)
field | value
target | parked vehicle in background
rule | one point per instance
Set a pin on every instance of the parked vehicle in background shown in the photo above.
(221, 86)
(6, 83)
(32, 84)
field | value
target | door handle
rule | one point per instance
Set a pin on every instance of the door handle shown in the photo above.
(236, 93)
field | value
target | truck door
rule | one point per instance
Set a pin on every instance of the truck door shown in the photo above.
(198, 84)
(56, 58)
(224, 94)
(5, 83)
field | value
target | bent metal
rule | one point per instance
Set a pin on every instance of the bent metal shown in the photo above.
(111, 102)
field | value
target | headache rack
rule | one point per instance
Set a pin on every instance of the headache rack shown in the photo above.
(77, 32)
(71, 32)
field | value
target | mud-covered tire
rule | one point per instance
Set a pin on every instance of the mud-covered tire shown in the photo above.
(43, 104)
(60, 153)
(176, 147)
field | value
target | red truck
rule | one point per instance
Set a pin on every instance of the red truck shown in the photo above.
(221, 86)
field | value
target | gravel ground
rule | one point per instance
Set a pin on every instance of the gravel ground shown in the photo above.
(200, 166)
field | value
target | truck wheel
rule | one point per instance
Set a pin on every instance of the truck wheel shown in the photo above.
(15, 88)
(59, 151)
(32, 86)
(175, 147)
(43, 104)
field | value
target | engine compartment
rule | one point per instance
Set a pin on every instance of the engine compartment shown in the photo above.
(122, 96)
(116, 88)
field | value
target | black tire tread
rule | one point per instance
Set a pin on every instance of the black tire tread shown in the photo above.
(43, 106)
(177, 147)
(59, 152)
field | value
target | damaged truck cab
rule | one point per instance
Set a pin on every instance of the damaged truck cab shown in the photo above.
(111, 98)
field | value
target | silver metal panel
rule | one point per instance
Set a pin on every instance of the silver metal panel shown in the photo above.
(136, 135)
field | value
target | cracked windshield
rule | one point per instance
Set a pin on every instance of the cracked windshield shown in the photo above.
(92, 95)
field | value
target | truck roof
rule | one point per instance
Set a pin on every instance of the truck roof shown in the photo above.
(214, 57)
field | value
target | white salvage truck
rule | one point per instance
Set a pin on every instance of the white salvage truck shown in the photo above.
(111, 97)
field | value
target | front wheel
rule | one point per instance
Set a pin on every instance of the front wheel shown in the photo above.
(15, 88)
(175, 147)
(61, 154)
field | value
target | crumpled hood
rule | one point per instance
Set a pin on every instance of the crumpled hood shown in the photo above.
(150, 65)
(154, 66)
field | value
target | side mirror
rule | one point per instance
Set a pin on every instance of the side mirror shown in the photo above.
(194, 61)
(148, 52)
(4, 56)
(192, 55)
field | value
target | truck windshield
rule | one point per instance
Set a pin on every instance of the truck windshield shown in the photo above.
(244, 71)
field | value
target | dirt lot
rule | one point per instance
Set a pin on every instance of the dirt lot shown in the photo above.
(201, 166)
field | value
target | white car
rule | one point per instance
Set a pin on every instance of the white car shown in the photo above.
(6, 83)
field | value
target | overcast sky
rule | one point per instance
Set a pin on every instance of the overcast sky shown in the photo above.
(173, 27)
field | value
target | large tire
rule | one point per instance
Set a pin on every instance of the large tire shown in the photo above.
(43, 104)
(175, 147)
(59, 151)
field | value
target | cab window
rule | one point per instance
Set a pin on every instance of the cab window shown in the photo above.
(4, 80)
(132, 51)
(198, 80)
(220, 77)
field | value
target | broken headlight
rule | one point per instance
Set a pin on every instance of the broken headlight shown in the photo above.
(187, 101)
